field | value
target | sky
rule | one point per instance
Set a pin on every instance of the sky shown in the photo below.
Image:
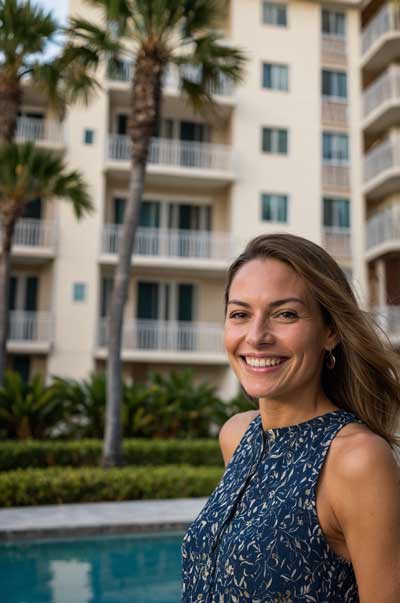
(59, 7)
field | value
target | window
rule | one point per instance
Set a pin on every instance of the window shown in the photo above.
(274, 207)
(336, 212)
(333, 23)
(334, 83)
(275, 77)
(275, 140)
(274, 14)
(335, 147)
(79, 291)
(88, 136)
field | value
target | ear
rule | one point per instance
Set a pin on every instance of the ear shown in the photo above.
(331, 339)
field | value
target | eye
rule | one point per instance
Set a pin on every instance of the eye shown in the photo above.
(287, 315)
(237, 315)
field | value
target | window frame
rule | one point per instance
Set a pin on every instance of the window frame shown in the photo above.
(277, 6)
(276, 132)
(278, 72)
(274, 199)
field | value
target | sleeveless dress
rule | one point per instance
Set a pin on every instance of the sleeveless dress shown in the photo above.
(258, 538)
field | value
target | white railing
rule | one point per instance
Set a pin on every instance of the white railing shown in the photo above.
(164, 242)
(337, 242)
(387, 20)
(333, 49)
(383, 156)
(29, 326)
(34, 233)
(384, 226)
(166, 336)
(36, 129)
(175, 153)
(384, 89)
(334, 111)
(124, 71)
(335, 175)
(388, 318)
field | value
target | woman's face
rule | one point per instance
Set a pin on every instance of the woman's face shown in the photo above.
(274, 334)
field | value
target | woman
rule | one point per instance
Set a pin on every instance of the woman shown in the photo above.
(308, 509)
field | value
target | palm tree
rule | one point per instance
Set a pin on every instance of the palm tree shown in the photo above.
(161, 32)
(26, 29)
(27, 173)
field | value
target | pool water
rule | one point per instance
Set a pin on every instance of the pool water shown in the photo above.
(143, 568)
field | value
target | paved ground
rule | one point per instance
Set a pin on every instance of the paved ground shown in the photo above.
(121, 517)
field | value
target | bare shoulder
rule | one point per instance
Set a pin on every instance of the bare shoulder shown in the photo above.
(232, 432)
(361, 461)
(356, 450)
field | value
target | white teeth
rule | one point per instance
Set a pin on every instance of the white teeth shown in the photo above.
(263, 361)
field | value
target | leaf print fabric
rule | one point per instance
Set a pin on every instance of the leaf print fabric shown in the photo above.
(258, 538)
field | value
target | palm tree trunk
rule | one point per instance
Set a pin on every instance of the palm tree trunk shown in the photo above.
(112, 450)
(5, 266)
(146, 97)
(10, 103)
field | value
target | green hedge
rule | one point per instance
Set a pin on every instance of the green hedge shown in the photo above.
(87, 453)
(70, 485)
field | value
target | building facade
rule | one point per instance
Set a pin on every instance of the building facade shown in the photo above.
(282, 152)
(380, 65)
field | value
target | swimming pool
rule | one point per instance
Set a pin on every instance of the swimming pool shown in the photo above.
(137, 568)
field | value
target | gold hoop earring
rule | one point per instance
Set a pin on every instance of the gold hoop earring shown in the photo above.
(331, 361)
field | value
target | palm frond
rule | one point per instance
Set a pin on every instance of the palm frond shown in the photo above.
(27, 172)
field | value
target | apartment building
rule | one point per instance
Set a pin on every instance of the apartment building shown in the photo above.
(281, 152)
(380, 65)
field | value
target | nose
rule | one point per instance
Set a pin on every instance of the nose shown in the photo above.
(259, 332)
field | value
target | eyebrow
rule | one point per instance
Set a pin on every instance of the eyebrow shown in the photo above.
(274, 304)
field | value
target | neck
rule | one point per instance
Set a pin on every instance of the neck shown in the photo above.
(276, 413)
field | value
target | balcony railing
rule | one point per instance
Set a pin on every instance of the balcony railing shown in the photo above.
(384, 226)
(36, 129)
(382, 157)
(386, 88)
(162, 242)
(29, 327)
(166, 336)
(334, 111)
(337, 242)
(388, 318)
(335, 175)
(333, 49)
(123, 72)
(175, 153)
(387, 20)
(34, 233)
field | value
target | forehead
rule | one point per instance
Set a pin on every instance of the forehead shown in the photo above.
(269, 279)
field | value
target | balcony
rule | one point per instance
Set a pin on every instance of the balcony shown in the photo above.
(34, 239)
(381, 39)
(169, 160)
(388, 318)
(206, 250)
(381, 102)
(383, 232)
(382, 168)
(337, 242)
(44, 132)
(334, 112)
(333, 49)
(29, 332)
(121, 75)
(335, 176)
(167, 341)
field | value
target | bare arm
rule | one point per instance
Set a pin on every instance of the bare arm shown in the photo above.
(232, 432)
(367, 507)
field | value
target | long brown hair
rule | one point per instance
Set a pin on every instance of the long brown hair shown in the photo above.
(366, 377)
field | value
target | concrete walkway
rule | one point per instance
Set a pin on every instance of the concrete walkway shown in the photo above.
(97, 518)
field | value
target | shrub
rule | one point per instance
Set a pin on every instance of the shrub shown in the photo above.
(32, 453)
(69, 485)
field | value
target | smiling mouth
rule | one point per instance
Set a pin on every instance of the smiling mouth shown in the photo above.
(263, 363)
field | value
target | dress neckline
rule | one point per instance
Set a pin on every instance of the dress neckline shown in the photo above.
(303, 424)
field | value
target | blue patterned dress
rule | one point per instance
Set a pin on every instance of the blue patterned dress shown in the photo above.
(258, 538)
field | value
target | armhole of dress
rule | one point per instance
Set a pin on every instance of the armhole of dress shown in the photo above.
(313, 495)
(243, 440)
